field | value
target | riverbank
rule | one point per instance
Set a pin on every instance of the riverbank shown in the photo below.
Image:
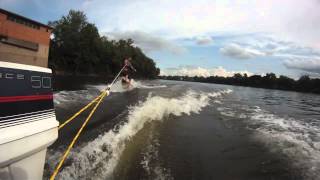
(304, 84)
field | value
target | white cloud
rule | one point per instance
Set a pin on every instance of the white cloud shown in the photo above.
(290, 19)
(163, 26)
(236, 51)
(306, 65)
(186, 71)
(199, 71)
(204, 40)
(260, 44)
(148, 42)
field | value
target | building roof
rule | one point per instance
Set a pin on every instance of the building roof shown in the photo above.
(24, 18)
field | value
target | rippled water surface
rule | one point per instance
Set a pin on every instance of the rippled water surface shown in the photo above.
(183, 130)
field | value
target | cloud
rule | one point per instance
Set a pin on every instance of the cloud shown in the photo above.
(204, 40)
(164, 26)
(238, 52)
(148, 42)
(182, 18)
(306, 65)
(292, 19)
(261, 44)
(199, 71)
(186, 71)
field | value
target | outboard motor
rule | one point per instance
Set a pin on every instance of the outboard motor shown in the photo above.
(28, 123)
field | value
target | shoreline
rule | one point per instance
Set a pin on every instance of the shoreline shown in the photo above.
(286, 90)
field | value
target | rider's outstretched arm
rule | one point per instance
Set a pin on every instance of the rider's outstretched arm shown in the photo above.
(130, 65)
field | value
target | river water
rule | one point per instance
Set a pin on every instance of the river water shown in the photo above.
(185, 130)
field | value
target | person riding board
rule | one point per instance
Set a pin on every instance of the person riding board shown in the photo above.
(125, 73)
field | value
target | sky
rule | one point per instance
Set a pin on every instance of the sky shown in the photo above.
(203, 37)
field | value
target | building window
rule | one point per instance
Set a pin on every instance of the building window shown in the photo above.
(20, 43)
(23, 22)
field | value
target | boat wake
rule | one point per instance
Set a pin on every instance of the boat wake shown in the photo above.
(118, 87)
(151, 160)
(297, 140)
(98, 159)
(64, 98)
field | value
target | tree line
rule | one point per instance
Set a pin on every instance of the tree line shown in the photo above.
(77, 48)
(269, 81)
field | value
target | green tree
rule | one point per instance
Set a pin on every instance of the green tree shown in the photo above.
(78, 48)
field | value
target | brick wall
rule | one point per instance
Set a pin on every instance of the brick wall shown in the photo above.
(15, 54)
(22, 32)
(10, 53)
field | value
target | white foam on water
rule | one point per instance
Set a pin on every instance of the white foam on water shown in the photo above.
(97, 159)
(297, 140)
(139, 84)
(243, 116)
(118, 87)
(219, 93)
(225, 111)
(217, 102)
(151, 163)
(62, 97)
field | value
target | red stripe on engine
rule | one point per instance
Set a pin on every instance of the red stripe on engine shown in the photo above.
(26, 98)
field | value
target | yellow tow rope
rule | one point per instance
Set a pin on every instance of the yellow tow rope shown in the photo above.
(79, 112)
(65, 155)
(98, 100)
